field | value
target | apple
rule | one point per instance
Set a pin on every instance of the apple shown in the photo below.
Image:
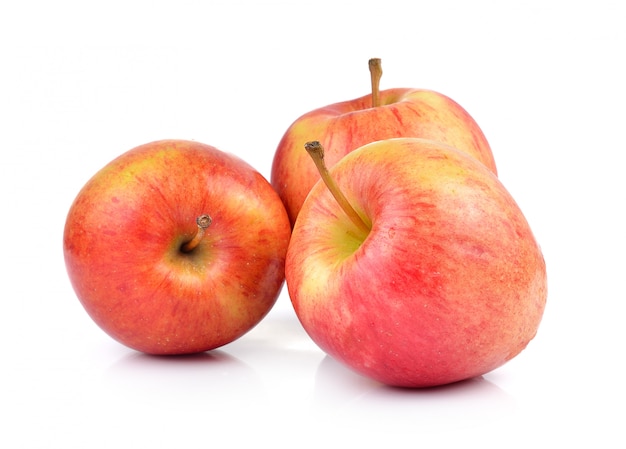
(345, 126)
(176, 247)
(413, 265)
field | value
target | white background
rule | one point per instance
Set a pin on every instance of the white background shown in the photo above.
(80, 83)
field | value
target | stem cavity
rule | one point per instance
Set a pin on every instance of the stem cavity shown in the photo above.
(376, 73)
(316, 151)
(203, 221)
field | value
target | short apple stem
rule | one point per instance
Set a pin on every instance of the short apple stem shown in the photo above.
(203, 221)
(316, 151)
(376, 73)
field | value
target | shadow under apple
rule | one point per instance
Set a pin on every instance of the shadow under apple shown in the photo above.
(342, 395)
(206, 379)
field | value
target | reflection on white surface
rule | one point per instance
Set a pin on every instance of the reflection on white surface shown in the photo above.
(275, 385)
(194, 393)
(186, 378)
(336, 384)
(344, 399)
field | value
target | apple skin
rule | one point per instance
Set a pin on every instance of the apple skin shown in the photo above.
(122, 241)
(345, 126)
(449, 284)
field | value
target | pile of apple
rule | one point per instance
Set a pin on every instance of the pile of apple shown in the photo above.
(405, 257)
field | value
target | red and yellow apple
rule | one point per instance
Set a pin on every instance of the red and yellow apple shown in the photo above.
(345, 126)
(429, 275)
(176, 247)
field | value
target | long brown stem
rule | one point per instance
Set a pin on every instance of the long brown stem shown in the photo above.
(203, 222)
(376, 73)
(316, 151)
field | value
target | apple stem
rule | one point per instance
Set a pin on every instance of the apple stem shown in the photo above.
(203, 222)
(316, 151)
(376, 73)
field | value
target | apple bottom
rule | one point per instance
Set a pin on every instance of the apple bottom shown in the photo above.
(402, 358)
(172, 314)
(414, 340)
